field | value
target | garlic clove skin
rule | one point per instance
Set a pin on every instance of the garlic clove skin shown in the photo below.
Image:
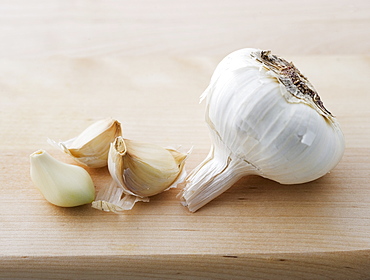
(265, 118)
(61, 184)
(151, 169)
(113, 199)
(91, 147)
(143, 169)
(217, 173)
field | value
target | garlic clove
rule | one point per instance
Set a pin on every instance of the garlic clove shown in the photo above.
(144, 169)
(151, 169)
(61, 184)
(140, 170)
(91, 147)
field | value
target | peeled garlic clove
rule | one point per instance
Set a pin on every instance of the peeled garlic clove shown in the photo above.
(91, 147)
(139, 170)
(61, 184)
(265, 118)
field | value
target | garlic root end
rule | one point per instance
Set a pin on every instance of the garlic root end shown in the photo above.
(211, 178)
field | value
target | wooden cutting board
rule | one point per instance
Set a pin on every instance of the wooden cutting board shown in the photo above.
(256, 230)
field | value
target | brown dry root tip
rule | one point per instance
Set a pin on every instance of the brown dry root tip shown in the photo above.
(294, 81)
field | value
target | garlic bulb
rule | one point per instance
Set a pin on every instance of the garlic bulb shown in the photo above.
(91, 147)
(61, 184)
(139, 170)
(265, 118)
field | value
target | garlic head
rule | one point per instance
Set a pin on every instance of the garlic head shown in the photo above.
(265, 118)
(61, 184)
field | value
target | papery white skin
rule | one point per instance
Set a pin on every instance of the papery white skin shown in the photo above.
(60, 183)
(256, 129)
(112, 198)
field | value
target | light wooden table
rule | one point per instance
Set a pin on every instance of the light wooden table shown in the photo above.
(53, 84)
(92, 27)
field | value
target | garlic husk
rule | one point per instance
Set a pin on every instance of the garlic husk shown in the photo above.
(91, 147)
(61, 184)
(113, 199)
(139, 170)
(261, 123)
(212, 177)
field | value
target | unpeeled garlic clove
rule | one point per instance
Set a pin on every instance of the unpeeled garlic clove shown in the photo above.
(139, 170)
(61, 184)
(144, 169)
(91, 147)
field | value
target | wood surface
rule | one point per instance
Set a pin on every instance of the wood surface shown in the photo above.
(55, 80)
(139, 27)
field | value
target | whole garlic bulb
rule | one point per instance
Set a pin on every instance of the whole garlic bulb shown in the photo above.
(265, 118)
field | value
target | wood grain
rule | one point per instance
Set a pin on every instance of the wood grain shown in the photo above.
(65, 64)
(338, 265)
(256, 230)
(84, 28)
